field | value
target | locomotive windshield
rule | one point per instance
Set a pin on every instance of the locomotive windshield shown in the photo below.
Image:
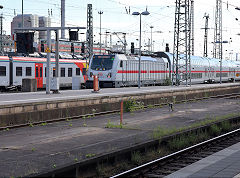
(102, 62)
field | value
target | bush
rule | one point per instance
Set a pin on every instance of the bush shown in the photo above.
(133, 105)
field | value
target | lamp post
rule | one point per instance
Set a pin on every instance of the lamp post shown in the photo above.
(100, 13)
(140, 38)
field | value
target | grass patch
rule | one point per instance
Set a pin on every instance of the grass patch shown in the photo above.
(136, 158)
(214, 130)
(111, 125)
(90, 155)
(226, 126)
(159, 132)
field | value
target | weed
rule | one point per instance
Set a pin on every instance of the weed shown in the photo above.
(101, 171)
(70, 124)
(7, 129)
(54, 166)
(30, 125)
(206, 95)
(226, 126)
(167, 82)
(133, 105)
(84, 117)
(68, 120)
(214, 130)
(150, 106)
(89, 116)
(84, 125)
(43, 124)
(182, 141)
(136, 157)
(90, 155)
(159, 132)
(111, 125)
(174, 99)
(94, 111)
(76, 160)
(33, 149)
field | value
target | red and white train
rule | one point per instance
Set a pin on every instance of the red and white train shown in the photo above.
(14, 69)
(120, 70)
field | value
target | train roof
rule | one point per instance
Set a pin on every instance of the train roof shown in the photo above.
(40, 60)
(133, 57)
(199, 59)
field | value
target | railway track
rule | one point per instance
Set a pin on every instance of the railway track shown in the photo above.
(171, 163)
(230, 96)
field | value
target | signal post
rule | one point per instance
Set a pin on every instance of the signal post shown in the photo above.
(51, 83)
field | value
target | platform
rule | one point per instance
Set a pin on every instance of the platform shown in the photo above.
(225, 163)
(31, 150)
(25, 108)
(36, 97)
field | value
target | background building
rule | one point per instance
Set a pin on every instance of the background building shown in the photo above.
(29, 21)
(43, 22)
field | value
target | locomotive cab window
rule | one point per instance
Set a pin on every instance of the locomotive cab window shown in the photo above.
(102, 62)
(28, 71)
(2, 70)
(18, 71)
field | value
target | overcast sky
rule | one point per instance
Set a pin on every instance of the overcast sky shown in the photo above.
(116, 19)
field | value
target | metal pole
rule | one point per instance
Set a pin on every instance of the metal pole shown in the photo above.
(139, 63)
(48, 62)
(57, 54)
(151, 39)
(1, 21)
(63, 18)
(221, 70)
(100, 13)
(22, 15)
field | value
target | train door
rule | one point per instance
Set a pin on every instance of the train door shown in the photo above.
(39, 74)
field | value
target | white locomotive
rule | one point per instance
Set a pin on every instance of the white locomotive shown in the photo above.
(14, 69)
(119, 70)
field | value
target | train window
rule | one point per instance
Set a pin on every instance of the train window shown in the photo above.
(77, 71)
(28, 71)
(41, 71)
(62, 72)
(121, 63)
(69, 72)
(36, 75)
(54, 72)
(2, 70)
(18, 71)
